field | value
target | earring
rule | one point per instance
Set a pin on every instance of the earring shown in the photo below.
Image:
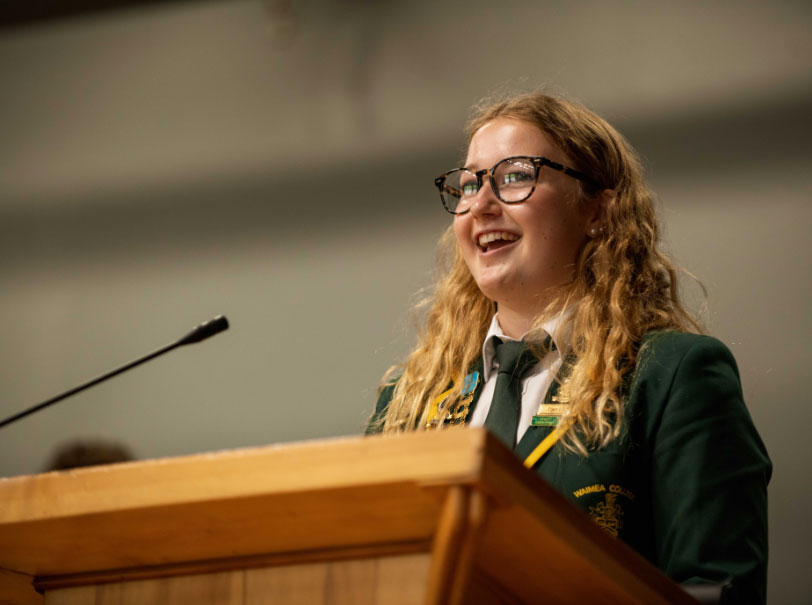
(595, 231)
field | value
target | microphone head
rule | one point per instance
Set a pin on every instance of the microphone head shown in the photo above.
(205, 330)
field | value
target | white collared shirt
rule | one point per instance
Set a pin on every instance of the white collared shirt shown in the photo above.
(536, 381)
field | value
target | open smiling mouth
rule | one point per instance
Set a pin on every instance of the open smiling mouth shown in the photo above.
(495, 240)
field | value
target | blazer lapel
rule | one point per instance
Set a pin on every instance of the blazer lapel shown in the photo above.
(535, 434)
(478, 368)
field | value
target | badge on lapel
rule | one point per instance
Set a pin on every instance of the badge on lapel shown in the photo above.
(549, 414)
(455, 412)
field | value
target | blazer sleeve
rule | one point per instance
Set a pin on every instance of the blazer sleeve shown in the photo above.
(709, 468)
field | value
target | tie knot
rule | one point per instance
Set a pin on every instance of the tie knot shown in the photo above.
(514, 357)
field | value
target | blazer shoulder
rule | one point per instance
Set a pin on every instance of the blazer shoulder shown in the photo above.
(671, 349)
(686, 372)
(675, 341)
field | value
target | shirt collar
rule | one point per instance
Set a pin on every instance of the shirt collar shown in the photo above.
(556, 327)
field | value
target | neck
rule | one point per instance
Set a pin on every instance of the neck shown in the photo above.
(515, 323)
(516, 320)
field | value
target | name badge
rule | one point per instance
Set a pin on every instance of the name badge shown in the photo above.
(549, 414)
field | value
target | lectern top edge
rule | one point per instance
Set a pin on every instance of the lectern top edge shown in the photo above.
(241, 473)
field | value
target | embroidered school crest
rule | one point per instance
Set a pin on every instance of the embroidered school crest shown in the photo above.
(608, 514)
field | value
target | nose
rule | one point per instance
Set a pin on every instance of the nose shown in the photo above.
(485, 201)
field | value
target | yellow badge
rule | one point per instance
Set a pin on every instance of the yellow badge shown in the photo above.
(456, 412)
(552, 409)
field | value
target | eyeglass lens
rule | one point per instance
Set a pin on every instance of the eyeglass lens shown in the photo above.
(514, 178)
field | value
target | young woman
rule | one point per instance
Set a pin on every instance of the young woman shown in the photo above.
(621, 404)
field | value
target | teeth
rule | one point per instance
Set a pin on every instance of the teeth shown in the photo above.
(487, 238)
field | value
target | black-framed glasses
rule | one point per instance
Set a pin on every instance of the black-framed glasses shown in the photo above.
(512, 180)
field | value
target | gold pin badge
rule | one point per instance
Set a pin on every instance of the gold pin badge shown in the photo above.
(552, 409)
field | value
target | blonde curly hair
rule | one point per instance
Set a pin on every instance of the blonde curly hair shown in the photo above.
(624, 286)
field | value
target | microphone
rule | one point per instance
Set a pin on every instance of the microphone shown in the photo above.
(205, 330)
(201, 332)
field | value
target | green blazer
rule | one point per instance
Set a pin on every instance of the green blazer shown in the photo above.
(686, 483)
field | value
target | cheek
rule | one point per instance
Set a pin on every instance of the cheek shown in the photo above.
(461, 231)
(558, 222)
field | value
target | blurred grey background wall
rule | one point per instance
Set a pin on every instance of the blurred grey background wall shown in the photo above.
(273, 161)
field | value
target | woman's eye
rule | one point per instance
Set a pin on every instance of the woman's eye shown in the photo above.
(469, 188)
(518, 176)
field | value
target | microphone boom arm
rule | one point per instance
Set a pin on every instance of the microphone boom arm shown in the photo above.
(201, 332)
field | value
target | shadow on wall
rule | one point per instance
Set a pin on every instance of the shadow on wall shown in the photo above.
(212, 213)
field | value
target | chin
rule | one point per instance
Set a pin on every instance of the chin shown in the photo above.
(496, 289)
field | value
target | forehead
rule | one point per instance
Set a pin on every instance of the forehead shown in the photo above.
(505, 137)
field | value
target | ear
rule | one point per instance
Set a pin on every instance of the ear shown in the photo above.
(596, 213)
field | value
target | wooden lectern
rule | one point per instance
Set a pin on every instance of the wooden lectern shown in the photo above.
(437, 518)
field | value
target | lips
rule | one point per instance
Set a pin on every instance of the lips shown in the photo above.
(493, 240)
